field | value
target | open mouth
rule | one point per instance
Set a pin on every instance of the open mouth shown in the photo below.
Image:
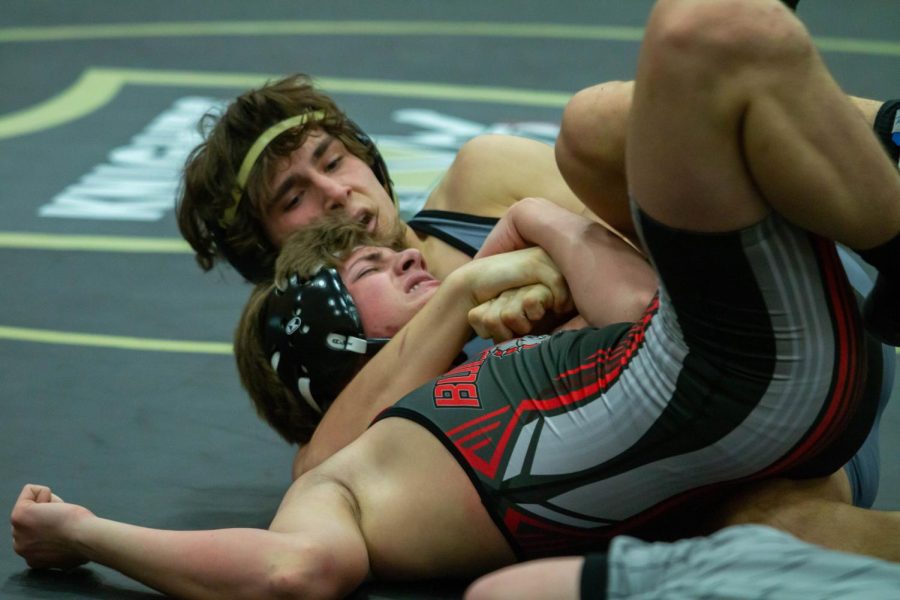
(419, 282)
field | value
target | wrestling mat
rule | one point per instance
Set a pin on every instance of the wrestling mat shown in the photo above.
(118, 384)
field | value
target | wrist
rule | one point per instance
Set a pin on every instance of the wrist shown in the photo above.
(458, 288)
(78, 533)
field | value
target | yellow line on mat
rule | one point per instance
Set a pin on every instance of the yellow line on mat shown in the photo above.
(92, 243)
(98, 86)
(350, 28)
(615, 33)
(48, 336)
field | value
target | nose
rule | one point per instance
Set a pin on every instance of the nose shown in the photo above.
(336, 194)
(408, 259)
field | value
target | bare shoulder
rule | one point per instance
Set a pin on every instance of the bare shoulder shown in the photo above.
(491, 172)
(419, 512)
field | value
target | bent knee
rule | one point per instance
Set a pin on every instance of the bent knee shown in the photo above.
(594, 125)
(724, 33)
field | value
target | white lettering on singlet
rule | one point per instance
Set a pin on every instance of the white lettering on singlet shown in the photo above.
(138, 182)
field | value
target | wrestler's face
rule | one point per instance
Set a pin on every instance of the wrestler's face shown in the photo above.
(388, 287)
(321, 176)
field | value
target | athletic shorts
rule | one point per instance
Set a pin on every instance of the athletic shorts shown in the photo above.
(745, 562)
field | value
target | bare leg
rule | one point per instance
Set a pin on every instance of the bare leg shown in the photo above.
(740, 562)
(590, 149)
(817, 511)
(741, 85)
(557, 578)
(733, 114)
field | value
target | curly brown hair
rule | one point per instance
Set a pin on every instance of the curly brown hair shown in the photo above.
(211, 169)
(327, 243)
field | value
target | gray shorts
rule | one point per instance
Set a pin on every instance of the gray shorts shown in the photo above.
(746, 561)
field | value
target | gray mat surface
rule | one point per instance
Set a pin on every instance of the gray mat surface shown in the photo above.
(95, 115)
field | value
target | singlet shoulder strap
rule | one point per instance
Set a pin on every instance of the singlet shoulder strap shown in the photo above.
(463, 231)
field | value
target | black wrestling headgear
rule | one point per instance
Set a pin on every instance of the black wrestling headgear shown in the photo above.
(314, 338)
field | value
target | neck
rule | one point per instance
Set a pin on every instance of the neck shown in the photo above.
(412, 239)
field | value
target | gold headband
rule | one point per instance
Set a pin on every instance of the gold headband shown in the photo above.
(252, 156)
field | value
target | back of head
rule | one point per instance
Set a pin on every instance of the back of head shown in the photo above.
(274, 402)
(300, 340)
(220, 217)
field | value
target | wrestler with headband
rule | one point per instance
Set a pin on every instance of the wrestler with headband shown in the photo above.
(489, 174)
(590, 451)
(227, 208)
(282, 156)
(294, 357)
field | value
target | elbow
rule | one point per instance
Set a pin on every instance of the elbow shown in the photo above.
(308, 572)
(625, 306)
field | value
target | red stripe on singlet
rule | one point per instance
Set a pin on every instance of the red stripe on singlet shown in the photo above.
(621, 352)
(538, 537)
(634, 339)
(479, 431)
(845, 395)
(846, 389)
(477, 420)
(846, 383)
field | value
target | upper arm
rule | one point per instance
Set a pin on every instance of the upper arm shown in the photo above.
(319, 520)
(297, 466)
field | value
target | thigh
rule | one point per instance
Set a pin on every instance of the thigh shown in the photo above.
(773, 341)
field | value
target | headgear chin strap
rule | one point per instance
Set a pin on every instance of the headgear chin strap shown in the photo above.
(314, 338)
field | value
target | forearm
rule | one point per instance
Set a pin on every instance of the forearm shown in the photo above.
(233, 563)
(314, 548)
(539, 222)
